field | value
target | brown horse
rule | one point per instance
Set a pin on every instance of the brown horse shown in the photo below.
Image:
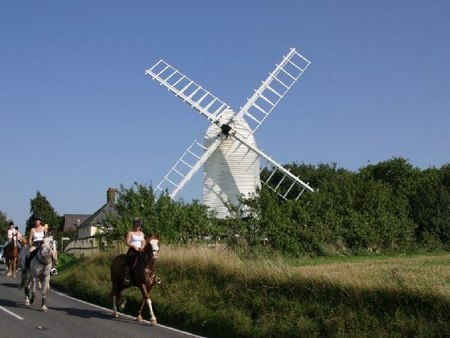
(142, 275)
(11, 256)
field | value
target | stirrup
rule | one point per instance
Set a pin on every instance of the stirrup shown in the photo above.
(53, 271)
(157, 280)
(126, 279)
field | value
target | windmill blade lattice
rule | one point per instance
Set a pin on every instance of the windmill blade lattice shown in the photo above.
(186, 167)
(273, 89)
(193, 94)
(274, 181)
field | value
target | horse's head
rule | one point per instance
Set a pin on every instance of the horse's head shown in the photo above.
(48, 240)
(47, 248)
(152, 245)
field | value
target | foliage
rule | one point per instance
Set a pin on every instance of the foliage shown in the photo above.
(39, 205)
(386, 207)
(390, 206)
(430, 207)
(4, 226)
(174, 222)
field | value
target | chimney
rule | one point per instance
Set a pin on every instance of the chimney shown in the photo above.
(111, 196)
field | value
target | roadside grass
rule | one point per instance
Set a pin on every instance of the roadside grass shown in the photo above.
(217, 293)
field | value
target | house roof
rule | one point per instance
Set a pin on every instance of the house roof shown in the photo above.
(73, 221)
(100, 215)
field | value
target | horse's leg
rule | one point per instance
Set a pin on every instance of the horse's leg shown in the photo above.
(27, 290)
(14, 266)
(27, 295)
(115, 314)
(45, 282)
(118, 303)
(33, 290)
(9, 267)
(146, 299)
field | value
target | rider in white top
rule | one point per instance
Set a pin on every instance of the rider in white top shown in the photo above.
(38, 236)
(135, 242)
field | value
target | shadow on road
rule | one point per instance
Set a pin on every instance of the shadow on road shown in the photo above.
(83, 313)
(11, 285)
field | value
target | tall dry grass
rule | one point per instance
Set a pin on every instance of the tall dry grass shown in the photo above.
(417, 274)
(218, 293)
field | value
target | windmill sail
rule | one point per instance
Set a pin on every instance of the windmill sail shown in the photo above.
(186, 167)
(273, 89)
(286, 175)
(190, 92)
(229, 154)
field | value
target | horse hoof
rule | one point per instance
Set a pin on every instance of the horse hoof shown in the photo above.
(115, 315)
(44, 308)
(153, 322)
(27, 302)
(31, 301)
(139, 319)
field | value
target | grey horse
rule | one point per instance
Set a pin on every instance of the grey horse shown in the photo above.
(39, 272)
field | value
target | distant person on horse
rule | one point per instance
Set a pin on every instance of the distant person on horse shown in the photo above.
(12, 249)
(14, 234)
(135, 243)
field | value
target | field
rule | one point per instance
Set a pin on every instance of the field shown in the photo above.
(215, 292)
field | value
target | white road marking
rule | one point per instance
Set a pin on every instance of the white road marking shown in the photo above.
(123, 314)
(11, 313)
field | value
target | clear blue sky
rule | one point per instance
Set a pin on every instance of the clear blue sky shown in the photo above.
(79, 115)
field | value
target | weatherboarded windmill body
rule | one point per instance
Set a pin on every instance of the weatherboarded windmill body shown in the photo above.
(230, 158)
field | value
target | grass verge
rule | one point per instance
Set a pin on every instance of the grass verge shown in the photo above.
(216, 293)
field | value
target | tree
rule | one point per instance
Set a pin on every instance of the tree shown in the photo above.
(42, 207)
(430, 207)
(4, 226)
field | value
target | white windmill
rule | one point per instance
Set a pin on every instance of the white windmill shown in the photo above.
(229, 154)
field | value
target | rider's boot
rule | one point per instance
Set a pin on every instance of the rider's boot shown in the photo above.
(25, 271)
(27, 262)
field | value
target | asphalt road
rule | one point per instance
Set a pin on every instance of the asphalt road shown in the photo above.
(66, 317)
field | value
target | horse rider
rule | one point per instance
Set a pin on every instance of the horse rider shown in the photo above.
(135, 243)
(35, 238)
(14, 234)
